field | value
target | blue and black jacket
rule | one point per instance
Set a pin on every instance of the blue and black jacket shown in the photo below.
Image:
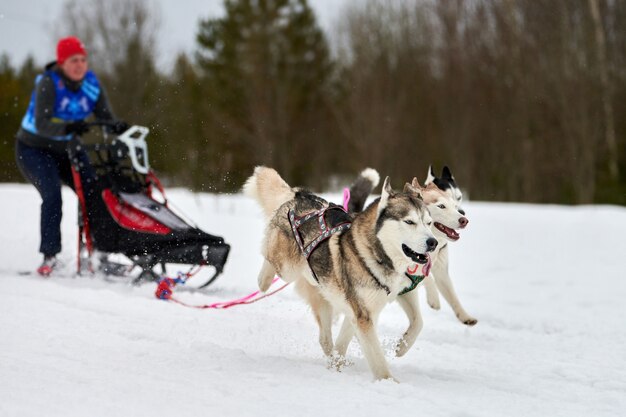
(58, 101)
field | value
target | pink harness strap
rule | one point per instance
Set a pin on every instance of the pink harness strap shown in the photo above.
(346, 198)
(164, 292)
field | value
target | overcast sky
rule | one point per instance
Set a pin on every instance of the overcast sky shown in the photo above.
(26, 25)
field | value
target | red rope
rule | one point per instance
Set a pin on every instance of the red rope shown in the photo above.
(166, 286)
(228, 304)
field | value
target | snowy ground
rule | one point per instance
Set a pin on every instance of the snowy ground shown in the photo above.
(546, 283)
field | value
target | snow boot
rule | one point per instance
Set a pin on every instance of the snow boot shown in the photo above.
(47, 266)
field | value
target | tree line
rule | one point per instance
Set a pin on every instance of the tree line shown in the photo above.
(523, 99)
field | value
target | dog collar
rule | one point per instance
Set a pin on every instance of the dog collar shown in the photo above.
(415, 281)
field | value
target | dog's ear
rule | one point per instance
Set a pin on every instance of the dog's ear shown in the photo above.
(416, 184)
(430, 177)
(414, 188)
(384, 196)
(447, 174)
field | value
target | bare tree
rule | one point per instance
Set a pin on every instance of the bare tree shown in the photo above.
(607, 105)
(120, 36)
(517, 95)
(109, 28)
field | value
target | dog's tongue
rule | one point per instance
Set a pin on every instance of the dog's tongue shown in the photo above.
(426, 268)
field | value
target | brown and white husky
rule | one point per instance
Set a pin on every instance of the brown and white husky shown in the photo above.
(357, 270)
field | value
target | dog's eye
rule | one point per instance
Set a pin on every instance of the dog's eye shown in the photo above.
(441, 206)
(429, 224)
(411, 222)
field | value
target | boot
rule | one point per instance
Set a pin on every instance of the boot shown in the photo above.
(47, 266)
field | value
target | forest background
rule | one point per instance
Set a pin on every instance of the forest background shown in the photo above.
(524, 99)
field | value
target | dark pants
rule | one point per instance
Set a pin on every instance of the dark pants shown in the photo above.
(47, 171)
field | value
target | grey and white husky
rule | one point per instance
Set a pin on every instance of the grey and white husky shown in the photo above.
(442, 197)
(358, 269)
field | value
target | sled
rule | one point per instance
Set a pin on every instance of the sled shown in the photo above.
(121, 218)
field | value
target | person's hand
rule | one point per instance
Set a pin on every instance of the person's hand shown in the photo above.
(119, 127)
(78, 128)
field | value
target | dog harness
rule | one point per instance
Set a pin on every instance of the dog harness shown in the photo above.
(325, 230)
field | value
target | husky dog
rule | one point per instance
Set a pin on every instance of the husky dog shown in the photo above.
(442, 198)
(445, 183)
(357, 270)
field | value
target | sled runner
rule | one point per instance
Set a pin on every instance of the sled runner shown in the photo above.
(118, 214)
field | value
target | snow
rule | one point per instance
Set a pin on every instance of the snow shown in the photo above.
(546, 283)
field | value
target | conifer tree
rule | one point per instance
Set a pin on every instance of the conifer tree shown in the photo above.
(267, 66)
(16, 86)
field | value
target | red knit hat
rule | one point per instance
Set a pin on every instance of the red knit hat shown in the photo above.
(69, 46)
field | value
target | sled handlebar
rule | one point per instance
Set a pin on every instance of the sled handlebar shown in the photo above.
(131, 143)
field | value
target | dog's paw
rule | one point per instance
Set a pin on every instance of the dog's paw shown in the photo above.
(468, 320)
(401, 348)
(389, 378)
(338, 362)
(434, 304)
